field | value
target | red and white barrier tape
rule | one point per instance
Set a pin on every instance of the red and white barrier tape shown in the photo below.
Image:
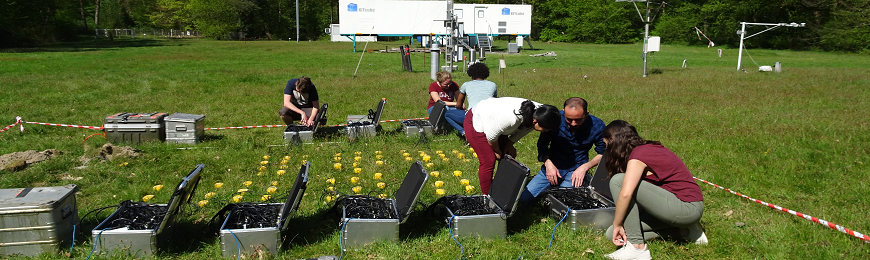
(73, 126)
(17, 121)
(244, 127)
(808, 217)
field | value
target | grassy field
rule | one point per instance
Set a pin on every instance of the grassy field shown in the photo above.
(798, 139)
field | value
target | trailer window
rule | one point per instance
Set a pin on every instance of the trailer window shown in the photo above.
(480, 14)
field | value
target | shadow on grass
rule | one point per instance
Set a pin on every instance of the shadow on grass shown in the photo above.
(311, 229)
(525, 216)
(97, 45)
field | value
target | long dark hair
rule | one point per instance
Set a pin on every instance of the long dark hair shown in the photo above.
(548, 116)
(623, 139)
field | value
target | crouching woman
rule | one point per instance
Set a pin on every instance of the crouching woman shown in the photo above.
(653, 189)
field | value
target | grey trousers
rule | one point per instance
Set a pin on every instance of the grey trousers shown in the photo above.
(653, 209)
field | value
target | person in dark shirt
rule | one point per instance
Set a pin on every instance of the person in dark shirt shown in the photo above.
(564, 152)
(301, 102)
(653, 189)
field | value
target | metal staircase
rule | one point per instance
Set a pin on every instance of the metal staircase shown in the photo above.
(484, 43)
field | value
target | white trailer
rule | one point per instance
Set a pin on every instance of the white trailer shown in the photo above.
(494, 19)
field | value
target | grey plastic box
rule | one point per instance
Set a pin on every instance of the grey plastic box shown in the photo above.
(507, 186)
(184, 128)
(600, 218)
(37, 220)
(109, 237)
(269, 238)
(357, 232)
(362, 126)
(135, 127)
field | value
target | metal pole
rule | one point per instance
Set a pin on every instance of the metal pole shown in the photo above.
(740, 54)
(645, 38)
(297, 22)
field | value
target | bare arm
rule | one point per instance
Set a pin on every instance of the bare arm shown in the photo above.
(633, 173)
(315, 108)
(434, 96)
(460, 100)
(580, 173)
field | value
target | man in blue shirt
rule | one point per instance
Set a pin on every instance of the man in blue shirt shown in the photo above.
(565, 152)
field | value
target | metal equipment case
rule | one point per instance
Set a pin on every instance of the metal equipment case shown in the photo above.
(507, 185)
(112, 235)
(357, 232)
(184, 128)
(267, 238)
(600, 218)
(365, 125)
(426, 127)
(304, 134)
(37, 220)
(135, 127)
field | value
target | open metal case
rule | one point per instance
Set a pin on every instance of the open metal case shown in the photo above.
(427, 127)
(238, 232)
(600, 218)
(357, 231)
(141, 229)
(365, 125)
(508, 183)
(305, 134)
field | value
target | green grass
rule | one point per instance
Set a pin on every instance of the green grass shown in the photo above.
(798, 139)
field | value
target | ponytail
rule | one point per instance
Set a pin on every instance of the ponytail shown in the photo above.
(527, 111)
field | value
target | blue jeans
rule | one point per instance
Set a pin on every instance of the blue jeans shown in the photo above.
(539, 183)
(455, 118)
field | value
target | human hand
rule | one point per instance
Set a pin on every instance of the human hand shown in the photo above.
(619, 237)
(579, 174)
(311, 121)
(552, 172)
(304, 120)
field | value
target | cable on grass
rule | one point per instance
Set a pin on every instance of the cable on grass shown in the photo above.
(450, 229)
(557, 225)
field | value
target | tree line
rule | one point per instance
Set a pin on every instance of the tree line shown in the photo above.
(831, 25)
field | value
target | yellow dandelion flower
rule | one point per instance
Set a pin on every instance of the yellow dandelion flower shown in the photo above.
(379, 162)
(439, 184)
(381, 185)
(218, 185)
(337, 166)
(328, 198)
(434, 173)
(337, 154)
(429, 165)
(330, 188)
(209, 195)
(157, 187)
(330, 180)
(445, 159)
(470, 149)
(402, 151)
(442, 155)
(378, 176)
(455, 151)
(357, 158)
(303, 156)
(439, 152)
(286, 158)
(337, 159)
(242, 191)
(440, 192)
(464, 182)
(356, 164)
(202, 203)
(261, 168)
(466, 160)
(264, 162)
(271, 190)
(379, 157)
(357, 189)
(460, 155)
(378, 152)
(406, 154)
(357, 170)
(427, 158)
(148, 197)
(383, 196)
(457, 173)
(354, 179)
(469, 189)
(275, 183)
(265, 197)
(357, 153)
(265, 157)
(281, 172)
(247, 183)
(408, 159)
(284, 167)
(283, 162)
(474, 154)
(237, 198)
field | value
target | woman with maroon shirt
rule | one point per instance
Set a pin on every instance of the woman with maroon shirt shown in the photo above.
(445, 89)
(653, 189)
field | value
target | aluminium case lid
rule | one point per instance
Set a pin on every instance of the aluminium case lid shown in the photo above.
(380, 110)
(295, 196)
(410, 190)
(133, 118)
(508, 183)
(182, 195)
(184, 118)
(35, 198)
(601, 181)
(438, 112)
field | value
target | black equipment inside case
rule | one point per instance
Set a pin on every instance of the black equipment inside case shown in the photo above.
(305, 134)
(584, 205)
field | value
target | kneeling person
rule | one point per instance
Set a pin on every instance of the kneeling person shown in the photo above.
(301, 102)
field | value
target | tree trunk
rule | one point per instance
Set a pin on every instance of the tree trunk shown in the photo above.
(97, 15)
(82, 10)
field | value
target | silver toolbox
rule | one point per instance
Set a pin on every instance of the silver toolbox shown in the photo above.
(37, 220)
(359, 225)
(242, 234)
(135, 127)
(488, 219)
(141, 229)
(365, 125)
(582, 213)
(426, 127)
(184, 128)
(305, 134)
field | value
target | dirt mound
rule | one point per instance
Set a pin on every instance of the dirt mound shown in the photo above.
(19, 160)
(110, 152)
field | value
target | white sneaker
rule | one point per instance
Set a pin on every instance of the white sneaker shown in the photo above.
(628, 252)
(696, 234)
